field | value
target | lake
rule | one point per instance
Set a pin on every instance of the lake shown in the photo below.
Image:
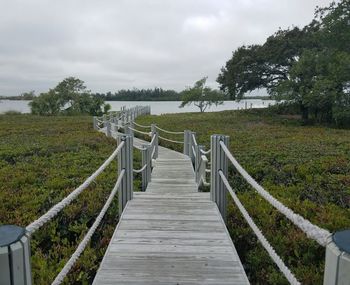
(157, 107)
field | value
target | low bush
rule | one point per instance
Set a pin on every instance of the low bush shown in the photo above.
(305, 167)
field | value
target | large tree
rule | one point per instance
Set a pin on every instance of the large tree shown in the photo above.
(201, 96)
(308, 66)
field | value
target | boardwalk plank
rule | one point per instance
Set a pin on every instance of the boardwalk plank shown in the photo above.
(171, 234)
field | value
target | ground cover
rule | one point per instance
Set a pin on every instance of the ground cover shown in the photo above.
(305, 167)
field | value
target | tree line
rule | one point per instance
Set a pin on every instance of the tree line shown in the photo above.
(155, 94)
(308, 67)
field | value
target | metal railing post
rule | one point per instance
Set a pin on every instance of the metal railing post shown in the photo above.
(191, 144)
(104, 121)
(108, 129)
(337, 267)
(95, 123)
(125, 161)
(218, 162)
(146, 159)
(198, 162)
(15, 265)
(156, 141)
(187, 135)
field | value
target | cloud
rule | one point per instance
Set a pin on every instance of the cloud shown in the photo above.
(132, 43)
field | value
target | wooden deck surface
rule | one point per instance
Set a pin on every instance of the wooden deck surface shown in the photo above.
(171, 234)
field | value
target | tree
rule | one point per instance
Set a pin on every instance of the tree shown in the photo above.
(308, 66)
(262, 66)
(69, 97)
(201, 96)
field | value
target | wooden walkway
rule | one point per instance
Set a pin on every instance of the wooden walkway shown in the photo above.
(171, 234)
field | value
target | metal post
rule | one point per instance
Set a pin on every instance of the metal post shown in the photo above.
(108, 129)
(337, 268)
(198, 162)
(218, 162)
(191, 144)
(15, 266)
(95, 123)
(125, 161)
(104, 121)
(187, 134)
(154, 131)
(146, 159)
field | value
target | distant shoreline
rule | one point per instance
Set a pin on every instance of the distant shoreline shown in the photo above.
(244, 98)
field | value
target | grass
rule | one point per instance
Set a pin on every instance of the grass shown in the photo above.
(42, 159)
(306, 167)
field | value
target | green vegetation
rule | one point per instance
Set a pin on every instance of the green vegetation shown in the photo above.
(201, 96)
(156, 94)
(69, 97)
(306, 167)
(308, 66)
(24, 96)
(42, 159)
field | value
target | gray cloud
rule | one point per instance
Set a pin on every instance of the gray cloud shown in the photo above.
(132, 43)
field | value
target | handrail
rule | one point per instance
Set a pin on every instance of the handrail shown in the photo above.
(68, 266)
(205, 152)
(169, 132)
(139, 148)
(140, 170)
(169, 140)
(312, 231)
(194, 140)
(67, 200)
(142, 126)
(141, 132)
(283, 268)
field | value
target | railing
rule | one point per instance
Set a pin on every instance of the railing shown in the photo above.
(15, 263)
(337, 263)
(337, 255)
(15, 253)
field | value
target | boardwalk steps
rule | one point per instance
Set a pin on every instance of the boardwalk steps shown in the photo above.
(171, 234)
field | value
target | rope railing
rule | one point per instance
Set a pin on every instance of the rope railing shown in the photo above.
(34, 226)
(169, 132)
(68, 266)
(139, 147)
(169, 140)
(140, 132)
(142, 126)
(140, 170)
(275, 257)
(312, 231)
(205, 152)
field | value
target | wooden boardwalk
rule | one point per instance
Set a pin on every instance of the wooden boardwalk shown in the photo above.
(171, 234)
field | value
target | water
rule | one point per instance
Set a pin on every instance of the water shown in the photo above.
(157, 107)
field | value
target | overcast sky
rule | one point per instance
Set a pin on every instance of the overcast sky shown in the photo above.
(115, 44)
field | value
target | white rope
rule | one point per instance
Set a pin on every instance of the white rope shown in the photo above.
(65, 270)
(144, 133)
(153, 139)
(311, 230)
(194, 152)
(202, 181)
(140, 170)
(66, 201)
(169, 132)
(140, 148)
(169, 140)
(194, 139)
(205, 152)
(142, 126)
(279, 262)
